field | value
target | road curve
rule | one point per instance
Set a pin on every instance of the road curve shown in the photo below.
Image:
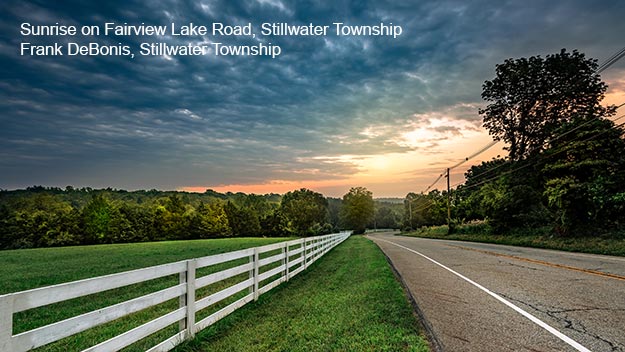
(485, 297)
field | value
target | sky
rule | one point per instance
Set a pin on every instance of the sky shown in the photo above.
(328, 114)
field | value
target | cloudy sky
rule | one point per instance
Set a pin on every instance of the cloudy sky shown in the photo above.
(328, 114)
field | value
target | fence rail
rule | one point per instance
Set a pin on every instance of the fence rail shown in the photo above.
(293, 257)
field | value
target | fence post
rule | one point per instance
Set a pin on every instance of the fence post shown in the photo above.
(256, 273)
(6, 323)
(251, 275)
(190, 323)
(304, 244)
(182, 300)
(286, 261)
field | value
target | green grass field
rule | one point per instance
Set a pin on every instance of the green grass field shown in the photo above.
(349, 300)
(32, 268)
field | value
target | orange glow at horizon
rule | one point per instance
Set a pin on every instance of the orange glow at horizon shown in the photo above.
(386, 175)
(272, 186)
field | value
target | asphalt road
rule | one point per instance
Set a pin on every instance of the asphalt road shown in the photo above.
(484, 297)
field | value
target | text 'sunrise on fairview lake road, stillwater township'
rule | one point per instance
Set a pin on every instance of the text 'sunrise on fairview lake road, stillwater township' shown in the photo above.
(163, 48)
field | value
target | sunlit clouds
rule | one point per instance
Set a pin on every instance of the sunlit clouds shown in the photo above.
(329, 114)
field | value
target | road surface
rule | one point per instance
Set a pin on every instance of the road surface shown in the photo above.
(485, 297)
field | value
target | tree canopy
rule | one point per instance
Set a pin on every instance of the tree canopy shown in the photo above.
(305, 211)
(358, 209)
(530, 98)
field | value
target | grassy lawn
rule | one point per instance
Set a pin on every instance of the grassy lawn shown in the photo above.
(32, 268)
(596, 245)
(349, 300)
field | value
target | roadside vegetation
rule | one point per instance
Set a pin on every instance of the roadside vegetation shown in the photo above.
(349, 300)
(537, 238)
(31, 268)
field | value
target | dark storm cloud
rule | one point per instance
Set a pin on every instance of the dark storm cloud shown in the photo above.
(166, 123)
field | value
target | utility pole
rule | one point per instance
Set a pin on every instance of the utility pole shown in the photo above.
(448, 202)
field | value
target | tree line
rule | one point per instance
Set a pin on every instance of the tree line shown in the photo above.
(565, 168)
(48, 216)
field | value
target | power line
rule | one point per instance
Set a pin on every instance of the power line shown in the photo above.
(482, 173)
(498, 176)
(431, 203)
(580, 126)
(428, 204)
(482, 150)
(433, 183)
(562, 135)
(609, 62)
(535, 162)
(485, 148)
(530, 163)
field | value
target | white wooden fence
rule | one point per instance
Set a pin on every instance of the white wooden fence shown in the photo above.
(294, 257)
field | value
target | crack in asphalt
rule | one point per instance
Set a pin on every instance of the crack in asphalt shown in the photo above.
(458, 337)
(588, 309)
(569, 323)
(532, 349)
(518, 265)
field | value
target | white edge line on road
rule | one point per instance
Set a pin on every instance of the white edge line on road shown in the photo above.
(529, 316)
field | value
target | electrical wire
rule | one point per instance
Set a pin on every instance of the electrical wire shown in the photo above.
(609, 62)
(485, 148)
(544, 157)
(434, 183)
(431, 203)
(482, 150)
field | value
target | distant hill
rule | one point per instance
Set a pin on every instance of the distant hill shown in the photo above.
(390, 200)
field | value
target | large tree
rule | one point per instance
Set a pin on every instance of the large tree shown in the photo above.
(358, 209)
(304, 210)
(530, 98)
